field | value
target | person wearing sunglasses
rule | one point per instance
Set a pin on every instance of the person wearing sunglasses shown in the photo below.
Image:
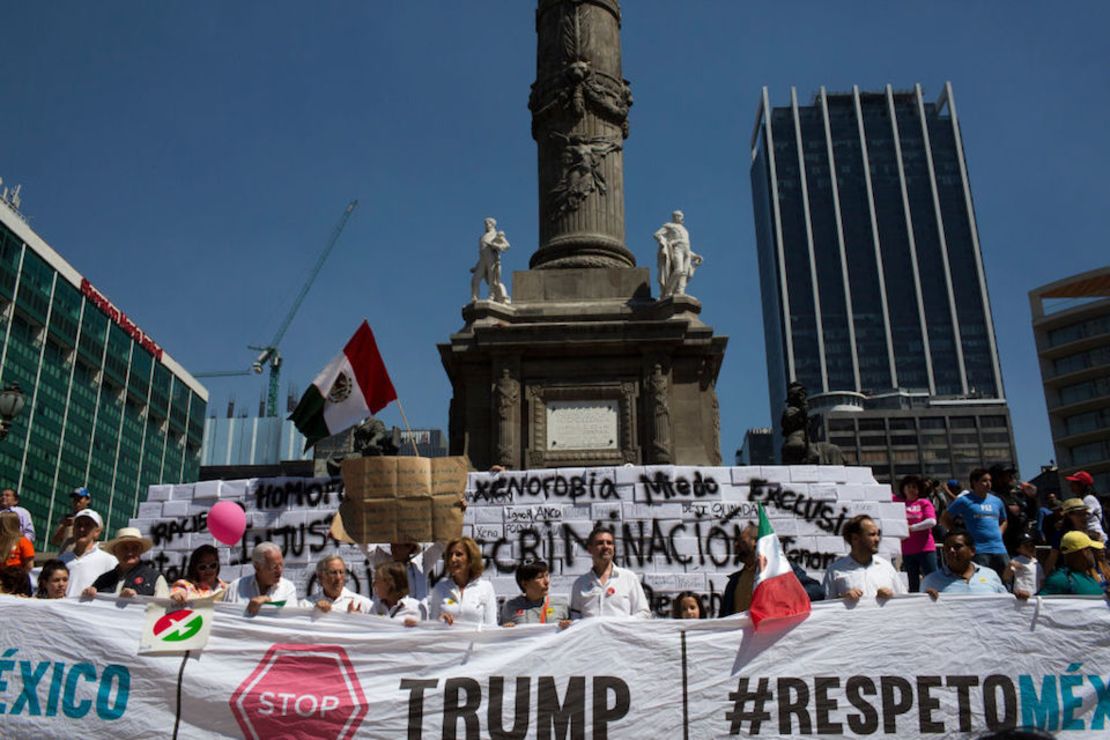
(202, 577)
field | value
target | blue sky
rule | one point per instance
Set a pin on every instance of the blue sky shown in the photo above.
(190, 159)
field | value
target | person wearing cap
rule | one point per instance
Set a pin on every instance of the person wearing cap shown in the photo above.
(87, 560)
(9, 501)
(1077, 576)
(266, 586)
(132, 576)
(1025, 575)
(960, 574)
(62, 538)
(1082, 486)
(984, 516)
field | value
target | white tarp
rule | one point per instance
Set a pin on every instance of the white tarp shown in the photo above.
(908, 668)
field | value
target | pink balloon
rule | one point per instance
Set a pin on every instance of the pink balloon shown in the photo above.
(227, 522)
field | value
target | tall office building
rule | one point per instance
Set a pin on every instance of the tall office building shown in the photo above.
(1071, 325)
(106, 406)
(873, 289)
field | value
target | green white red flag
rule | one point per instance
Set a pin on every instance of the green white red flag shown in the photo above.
(353, 386)
(776, 591)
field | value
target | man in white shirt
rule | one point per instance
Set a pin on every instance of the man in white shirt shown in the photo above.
(607, 590)
(86, 561)
(862, 573)
(266, 586)
(331, 573)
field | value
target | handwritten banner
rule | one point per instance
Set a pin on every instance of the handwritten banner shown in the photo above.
(677, 527)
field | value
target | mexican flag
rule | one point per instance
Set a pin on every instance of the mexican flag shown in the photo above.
(776, 591)
(353, 386)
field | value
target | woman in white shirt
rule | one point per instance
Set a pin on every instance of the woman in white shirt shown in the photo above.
(462, 596)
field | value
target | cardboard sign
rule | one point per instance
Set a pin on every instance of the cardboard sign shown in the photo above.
(403, 499)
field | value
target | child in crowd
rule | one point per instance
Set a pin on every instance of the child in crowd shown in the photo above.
(1025, 576)
(687, 605)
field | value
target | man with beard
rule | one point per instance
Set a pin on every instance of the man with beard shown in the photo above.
(738, 591)
(862, 572)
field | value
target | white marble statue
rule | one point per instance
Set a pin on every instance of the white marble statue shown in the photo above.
(676, 260)
(490, 246)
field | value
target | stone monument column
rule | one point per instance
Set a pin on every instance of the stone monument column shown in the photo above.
(579, 105)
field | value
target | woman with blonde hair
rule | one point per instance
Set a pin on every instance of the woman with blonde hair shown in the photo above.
(463, 595)
(17, 550)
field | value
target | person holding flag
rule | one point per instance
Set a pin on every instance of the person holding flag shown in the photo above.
(776, 591)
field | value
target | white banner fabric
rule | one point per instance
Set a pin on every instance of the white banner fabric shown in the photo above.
(906, 668)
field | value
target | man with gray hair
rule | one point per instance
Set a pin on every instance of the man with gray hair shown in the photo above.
(331, 573)
(266, 586)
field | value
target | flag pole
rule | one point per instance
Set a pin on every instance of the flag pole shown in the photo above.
(405, 421)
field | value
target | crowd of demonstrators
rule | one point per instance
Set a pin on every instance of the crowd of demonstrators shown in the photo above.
(63, 538)
(1002, 523)
(988, 537)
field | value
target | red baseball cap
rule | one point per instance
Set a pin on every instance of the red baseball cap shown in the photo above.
(1082, 477)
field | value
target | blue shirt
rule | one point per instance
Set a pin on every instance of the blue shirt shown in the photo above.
(983, 581)
(982, 518)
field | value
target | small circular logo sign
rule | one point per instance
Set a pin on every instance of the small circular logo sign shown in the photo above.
(340, 389)
(178, 626)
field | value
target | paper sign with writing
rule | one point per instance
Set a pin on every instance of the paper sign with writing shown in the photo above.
(403, 499)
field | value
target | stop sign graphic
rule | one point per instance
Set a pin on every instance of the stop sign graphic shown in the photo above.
(300, 691)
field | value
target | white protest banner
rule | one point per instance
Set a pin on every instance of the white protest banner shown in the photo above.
(170, 629)
(908, 668)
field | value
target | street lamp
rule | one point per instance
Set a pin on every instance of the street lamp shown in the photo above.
(11, 403)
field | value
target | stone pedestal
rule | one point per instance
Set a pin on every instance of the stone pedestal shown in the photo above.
(584, 369)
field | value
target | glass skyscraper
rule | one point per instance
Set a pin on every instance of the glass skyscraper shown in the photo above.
(106, 407)
(874, 295)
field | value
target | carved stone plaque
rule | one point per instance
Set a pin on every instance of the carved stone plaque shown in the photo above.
(583, 425)
(587, 424)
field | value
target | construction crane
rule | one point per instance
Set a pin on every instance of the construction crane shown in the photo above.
(269, 353)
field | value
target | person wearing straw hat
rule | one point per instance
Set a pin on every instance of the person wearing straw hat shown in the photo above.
(132, 576)
(1077, 575)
